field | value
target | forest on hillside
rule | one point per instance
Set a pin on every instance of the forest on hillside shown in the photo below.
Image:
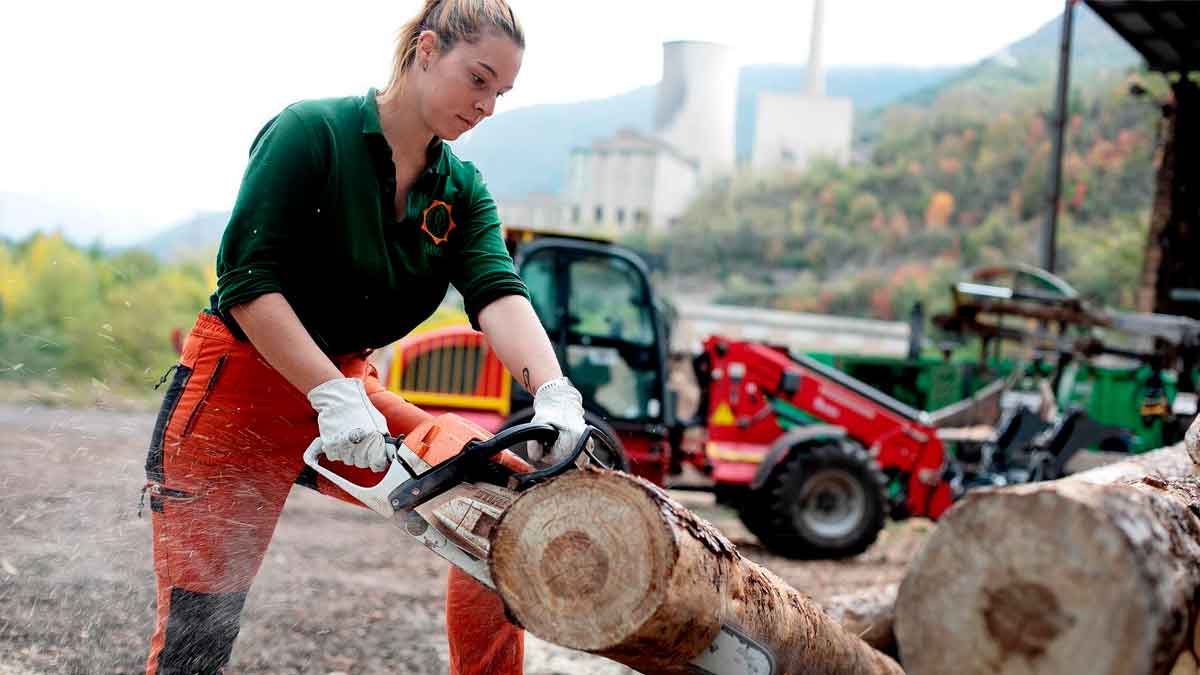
(949, 183)
(86, 317)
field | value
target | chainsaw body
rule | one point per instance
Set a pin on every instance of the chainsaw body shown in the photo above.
(445, 488)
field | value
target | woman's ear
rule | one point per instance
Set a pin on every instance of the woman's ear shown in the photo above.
(427, 48)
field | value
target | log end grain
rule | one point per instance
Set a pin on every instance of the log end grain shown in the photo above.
(591, 550)
(607, 563)
(1024, 580)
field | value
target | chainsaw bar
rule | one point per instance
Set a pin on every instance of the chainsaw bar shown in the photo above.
(732, 651)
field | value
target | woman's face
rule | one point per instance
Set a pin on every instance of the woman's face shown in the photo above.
(460, 86)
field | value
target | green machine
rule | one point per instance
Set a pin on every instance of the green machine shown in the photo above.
(1133, 372)
(1129, 371)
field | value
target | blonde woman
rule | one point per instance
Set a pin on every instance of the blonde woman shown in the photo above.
(347, 205)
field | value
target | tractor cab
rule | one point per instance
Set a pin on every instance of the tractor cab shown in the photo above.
(596, 304)
(608, 331)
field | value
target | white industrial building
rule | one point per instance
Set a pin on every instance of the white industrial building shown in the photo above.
(793, 129)
(628, 182)
(538, 210)
(632, 180)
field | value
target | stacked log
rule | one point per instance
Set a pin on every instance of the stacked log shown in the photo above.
(869, 614)
(1095, 573)
(607, 563)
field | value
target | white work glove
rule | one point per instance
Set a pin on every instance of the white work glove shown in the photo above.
(559, 404)
(351, 428)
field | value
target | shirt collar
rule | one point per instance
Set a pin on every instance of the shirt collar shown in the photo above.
(437, 158)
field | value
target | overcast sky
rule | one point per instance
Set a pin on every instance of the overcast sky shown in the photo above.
(142, 111)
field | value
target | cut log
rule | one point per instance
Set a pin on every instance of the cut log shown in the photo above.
(1095, 573)
(869, 614)
(607, 563)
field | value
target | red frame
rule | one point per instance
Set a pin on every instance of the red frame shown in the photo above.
(742, 425)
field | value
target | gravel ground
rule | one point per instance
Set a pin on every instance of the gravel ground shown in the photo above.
(341, 591)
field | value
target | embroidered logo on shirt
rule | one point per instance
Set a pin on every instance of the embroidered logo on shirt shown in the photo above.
(436, 222)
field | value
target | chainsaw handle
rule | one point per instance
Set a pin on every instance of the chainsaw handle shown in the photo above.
(513, 436)
(526, 480)
(473, 463)
(376, 498)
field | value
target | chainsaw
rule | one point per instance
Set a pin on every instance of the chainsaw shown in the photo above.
(451, 506)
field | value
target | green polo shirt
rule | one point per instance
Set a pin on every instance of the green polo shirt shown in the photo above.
(315, 220)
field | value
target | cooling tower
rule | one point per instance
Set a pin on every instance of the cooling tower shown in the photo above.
(697, 103)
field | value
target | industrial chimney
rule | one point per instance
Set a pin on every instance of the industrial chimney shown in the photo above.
(816, 71)
(793, 129)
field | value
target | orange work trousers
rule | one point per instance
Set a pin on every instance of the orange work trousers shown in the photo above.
(226, 449)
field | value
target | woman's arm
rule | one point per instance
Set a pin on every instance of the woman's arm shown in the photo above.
(276, 332)
(345, 415)
(517, 337)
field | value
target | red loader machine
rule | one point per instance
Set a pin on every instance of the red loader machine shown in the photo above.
(813, 460)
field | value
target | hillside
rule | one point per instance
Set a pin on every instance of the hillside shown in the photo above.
(22, 214)
(1027, 68)
(956, 176)
(546, 134)
(199, 234)
(1096, 51)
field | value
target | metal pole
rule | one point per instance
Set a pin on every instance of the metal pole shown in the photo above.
(1060, 124)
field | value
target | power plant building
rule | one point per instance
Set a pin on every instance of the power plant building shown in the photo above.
(634, 181)
(627, 183)
(791, 130)
(538, 210)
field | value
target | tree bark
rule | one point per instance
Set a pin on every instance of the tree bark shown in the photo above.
(1095, 573)
(607, 563)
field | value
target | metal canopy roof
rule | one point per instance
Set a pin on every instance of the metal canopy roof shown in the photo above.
(1166, 32)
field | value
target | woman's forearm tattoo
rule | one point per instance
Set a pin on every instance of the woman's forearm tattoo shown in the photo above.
(528, 384)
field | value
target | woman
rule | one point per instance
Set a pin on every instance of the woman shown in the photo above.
(352, 218)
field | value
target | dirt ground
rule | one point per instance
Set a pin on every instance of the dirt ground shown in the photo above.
(341, 590)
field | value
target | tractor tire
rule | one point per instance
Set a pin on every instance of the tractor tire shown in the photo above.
(827, 501)
(613, 460)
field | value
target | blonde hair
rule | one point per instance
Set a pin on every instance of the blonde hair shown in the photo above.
(452, 21)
